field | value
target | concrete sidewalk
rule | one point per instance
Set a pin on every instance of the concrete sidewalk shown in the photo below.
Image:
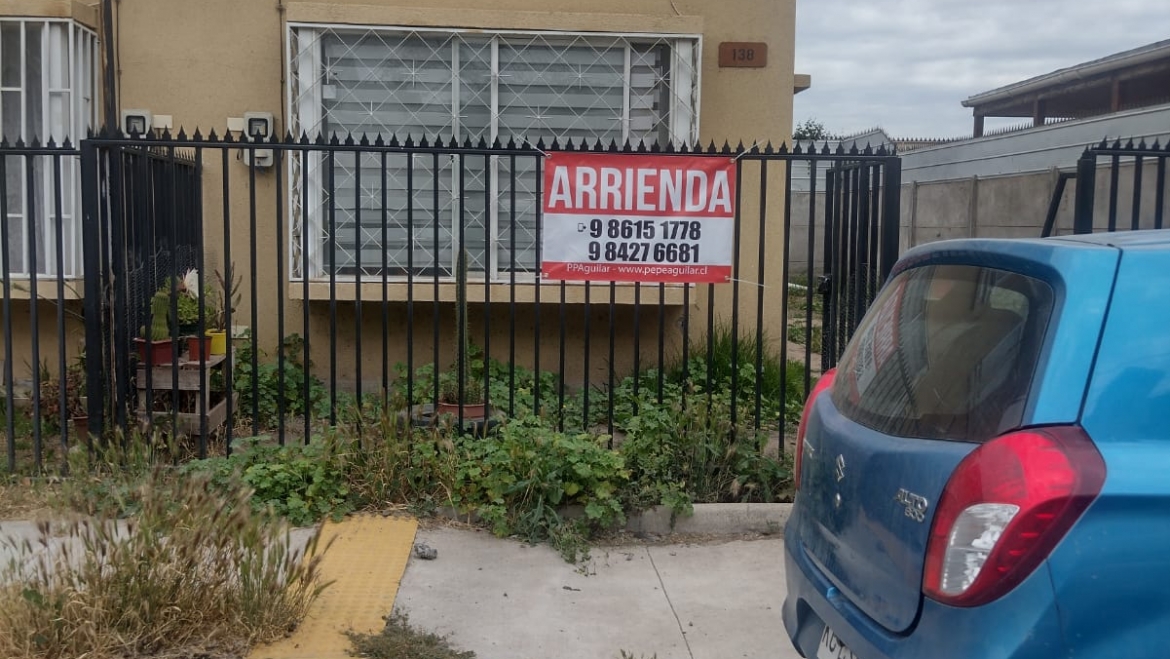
(506, 600)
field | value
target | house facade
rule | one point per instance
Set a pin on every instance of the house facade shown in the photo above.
(301, 233)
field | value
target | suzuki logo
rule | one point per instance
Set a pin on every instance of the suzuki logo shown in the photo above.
(840, 468)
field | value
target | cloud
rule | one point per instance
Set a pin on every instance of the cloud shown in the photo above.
(907, 65)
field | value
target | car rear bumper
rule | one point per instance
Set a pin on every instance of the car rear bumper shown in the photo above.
(1022, 624)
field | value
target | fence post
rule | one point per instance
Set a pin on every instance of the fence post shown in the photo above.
(1086, 190)
(891, 217)
(91, 255)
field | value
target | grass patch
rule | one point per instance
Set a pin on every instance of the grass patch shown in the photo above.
(192, 571)
(398, 640)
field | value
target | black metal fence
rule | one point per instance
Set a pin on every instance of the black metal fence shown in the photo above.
(1132, 195)
(333, 270)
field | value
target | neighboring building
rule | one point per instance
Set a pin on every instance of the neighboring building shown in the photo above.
(620, 70)
(1130, 80)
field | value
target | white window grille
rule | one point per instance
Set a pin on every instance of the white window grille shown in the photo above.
(506, 85)
(48, 91)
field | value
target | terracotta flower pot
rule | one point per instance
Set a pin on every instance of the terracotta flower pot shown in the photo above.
(159, 352)
(198, 348)
(470, 411)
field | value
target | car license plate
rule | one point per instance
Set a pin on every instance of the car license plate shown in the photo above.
(831, 647)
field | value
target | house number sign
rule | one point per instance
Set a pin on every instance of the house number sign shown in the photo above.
(743, 54)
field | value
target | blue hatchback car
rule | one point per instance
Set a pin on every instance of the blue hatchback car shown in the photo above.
(987, 472)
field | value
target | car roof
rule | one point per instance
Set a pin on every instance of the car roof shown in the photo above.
(1152, 238)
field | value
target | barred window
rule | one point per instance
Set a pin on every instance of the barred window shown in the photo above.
(48, 71)
(520, 86)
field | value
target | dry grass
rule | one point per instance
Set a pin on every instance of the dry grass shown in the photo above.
(193, 573)
(26, 498)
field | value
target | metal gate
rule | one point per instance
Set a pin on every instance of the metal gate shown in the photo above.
(1135, 191)
(861, 246)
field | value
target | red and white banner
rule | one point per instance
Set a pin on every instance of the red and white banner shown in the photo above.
(638, 217)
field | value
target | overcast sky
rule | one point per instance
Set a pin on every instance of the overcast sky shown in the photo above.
(907, 65)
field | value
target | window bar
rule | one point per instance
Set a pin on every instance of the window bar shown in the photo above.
(627, 83)
(26, 170)
(281, 408)
(493, 168)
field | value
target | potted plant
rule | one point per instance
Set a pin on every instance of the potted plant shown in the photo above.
(187, 292)
(155, 345)
(472, 402)
(227, 301)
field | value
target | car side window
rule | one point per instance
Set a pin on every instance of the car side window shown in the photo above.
(946, 352)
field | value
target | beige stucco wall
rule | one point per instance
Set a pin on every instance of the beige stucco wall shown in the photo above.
(201, 62)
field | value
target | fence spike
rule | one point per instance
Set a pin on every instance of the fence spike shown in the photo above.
(768, 148)
(182, 134)
(783, 148)
(511, 143)
(496, 143)
(198, 136)
(349, 141)
(394, 140)
(668, 147)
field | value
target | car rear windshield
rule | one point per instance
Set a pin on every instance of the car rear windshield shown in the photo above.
(946, 352)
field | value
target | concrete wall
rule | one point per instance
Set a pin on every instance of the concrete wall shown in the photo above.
(202, 62)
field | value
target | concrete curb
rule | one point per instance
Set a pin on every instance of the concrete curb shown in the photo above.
(714, 519)
(707, 519)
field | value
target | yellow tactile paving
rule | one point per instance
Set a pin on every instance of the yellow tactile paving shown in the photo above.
(365, 564)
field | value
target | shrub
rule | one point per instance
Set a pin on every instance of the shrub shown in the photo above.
(518, 478)
(194, 569)
(302, 483)
(679, 455)
(266, 378)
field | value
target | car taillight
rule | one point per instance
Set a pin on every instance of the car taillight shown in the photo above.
(1005, 508)
(823, 384)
